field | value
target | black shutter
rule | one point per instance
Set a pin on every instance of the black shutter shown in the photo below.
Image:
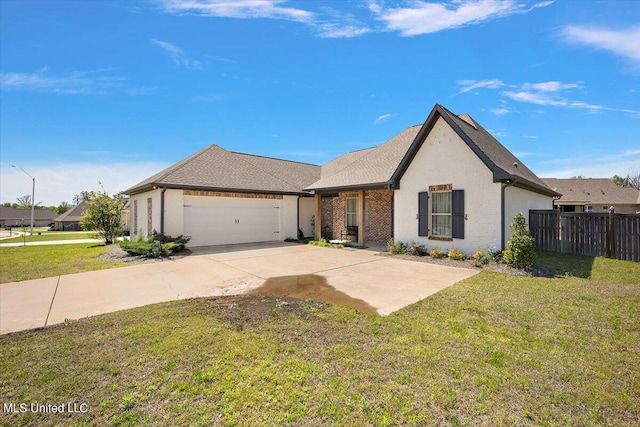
(457, 214)
(423, 214)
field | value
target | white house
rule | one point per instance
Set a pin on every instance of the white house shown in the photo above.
(446, 183)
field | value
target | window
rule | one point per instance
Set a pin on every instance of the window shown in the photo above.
(605, 208)
(352, 212)
(588, 208)
(443, 210)
(441, 214)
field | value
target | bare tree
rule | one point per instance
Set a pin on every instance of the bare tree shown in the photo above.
(634, 180)
(24, 202)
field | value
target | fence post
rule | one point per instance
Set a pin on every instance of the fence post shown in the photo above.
(558, 232)
(611, 253)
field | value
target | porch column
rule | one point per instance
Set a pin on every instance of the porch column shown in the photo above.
(318, 218)
(361, 218)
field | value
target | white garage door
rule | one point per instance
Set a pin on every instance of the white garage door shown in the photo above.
(227, 220)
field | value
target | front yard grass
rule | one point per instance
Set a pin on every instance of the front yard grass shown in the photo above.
(48, 236)
(34, 262)
(491, 350)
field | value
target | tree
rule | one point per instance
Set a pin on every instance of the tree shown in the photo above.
(24, 202)
(578, 177)
(104, 216)
(82, 197)
(631, 180)
(63, 207)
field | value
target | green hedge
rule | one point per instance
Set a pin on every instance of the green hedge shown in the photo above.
(158, 245)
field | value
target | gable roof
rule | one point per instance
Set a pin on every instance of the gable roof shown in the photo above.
(592, 191)
(74, 214)
(366, 168)
(384, 165)
(217, 169)
(8, 213)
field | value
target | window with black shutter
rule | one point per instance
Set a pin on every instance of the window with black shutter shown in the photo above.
(457, 214)
(423, 213)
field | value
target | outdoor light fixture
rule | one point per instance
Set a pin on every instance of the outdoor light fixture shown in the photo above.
(33, 193)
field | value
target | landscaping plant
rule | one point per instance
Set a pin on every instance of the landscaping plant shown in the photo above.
(520, 252)
(155, 246)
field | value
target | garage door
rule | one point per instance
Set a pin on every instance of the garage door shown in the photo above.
(227, 220)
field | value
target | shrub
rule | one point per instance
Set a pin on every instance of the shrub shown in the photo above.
(520, 252)
(436, 253)
(480, 259)
(456, 255)
(325, 243)
(396, 248)
(417, 249)
(155, 246)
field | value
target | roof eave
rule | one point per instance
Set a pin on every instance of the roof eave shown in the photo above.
(531, 186)
(153, 186)
(354, 187)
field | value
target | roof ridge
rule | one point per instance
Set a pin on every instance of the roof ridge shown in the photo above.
(273, 158)
(266, 172)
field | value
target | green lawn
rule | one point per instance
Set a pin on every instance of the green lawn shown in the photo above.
(33, 262)
(51, 235)
(491, 350)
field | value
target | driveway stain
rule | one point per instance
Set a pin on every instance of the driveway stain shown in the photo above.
(309, 286)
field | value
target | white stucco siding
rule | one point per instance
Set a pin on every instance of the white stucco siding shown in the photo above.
(142, 224)
(444, 158)
(173, 213)
(520, 200)
(288, 217)
(307, 211)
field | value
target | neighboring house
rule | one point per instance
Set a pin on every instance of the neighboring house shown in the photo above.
(70, 220)
(12, 217)
(593, 195)
(446, 183)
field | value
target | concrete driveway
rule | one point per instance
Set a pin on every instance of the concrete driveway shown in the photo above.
(359, 278)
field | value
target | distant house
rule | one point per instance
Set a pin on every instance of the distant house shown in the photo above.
(447, 182)
(593, 195)
(70, 220)
(12, 217)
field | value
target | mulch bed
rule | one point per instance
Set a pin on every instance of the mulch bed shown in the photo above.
(115, 253)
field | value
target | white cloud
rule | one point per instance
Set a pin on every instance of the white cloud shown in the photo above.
(177, 55)
(595, 166)
(469, 85)
(60, 182)
(422, 17)
(500, 111)
(550, 93)
(95, 82)
(332, 30)
(245, 9)
(382, 118)
(623, 42)
(531, 136)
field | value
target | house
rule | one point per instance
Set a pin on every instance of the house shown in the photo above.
(12, 217)
(445, 183)
(70, 220)
(593, 195)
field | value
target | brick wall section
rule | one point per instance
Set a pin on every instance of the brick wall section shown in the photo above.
(327, 215)
(380, 215)
(149, 216)
(236, 195)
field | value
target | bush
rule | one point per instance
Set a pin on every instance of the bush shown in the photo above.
(480, 259)
(436, 253)
(520, 252)
(325, 243)
(456, 255)
(417, 249)
(155, 246)
(396, 248)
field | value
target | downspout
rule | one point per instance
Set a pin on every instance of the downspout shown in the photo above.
(162, 210)
(298, 218)
(503, 213)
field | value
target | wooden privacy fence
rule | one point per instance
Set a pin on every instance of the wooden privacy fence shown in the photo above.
(605, 234)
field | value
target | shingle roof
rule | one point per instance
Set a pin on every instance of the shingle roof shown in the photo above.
(373, 166)
(7, 213)
(593, 190)
(74, 214)
(385, 164)
(215, 168)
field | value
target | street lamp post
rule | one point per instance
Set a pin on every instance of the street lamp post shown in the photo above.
(33, 194)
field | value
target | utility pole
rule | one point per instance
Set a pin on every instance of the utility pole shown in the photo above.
(33, 194)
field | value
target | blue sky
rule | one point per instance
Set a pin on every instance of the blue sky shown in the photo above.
(113, 91)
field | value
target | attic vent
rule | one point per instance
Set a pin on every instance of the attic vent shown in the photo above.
(467, 118)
